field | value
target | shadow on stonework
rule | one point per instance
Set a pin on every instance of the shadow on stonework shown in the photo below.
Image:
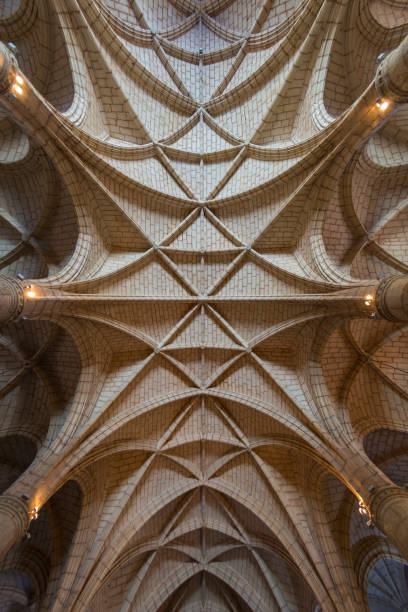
(31, 571)
(387, 586)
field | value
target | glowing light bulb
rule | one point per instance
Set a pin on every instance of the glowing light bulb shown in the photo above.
(34, 513)
(365, 512)
(17, 89)
(31, 293)
(19, 79)
(382, 104)
(369, 297)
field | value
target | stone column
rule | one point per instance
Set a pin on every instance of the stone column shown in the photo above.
(14, 521)
(391, 80)
(391, 298)
(11, 299)
(8, 67)
(389, 507)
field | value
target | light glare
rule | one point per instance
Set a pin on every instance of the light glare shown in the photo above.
(382, 104)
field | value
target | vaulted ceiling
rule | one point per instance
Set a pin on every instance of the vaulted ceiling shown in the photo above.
(201, 193)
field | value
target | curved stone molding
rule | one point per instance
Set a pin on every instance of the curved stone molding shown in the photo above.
(391, 298)
(391, 80)
(389, 506)
(11, 299)
(14, 521)
(8, 66)
(217, 193)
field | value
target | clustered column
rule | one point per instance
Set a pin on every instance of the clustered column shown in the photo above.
(391, 298)
(14, 516)
(14, 521)
(389, 504)
(391, 80)
(389, 507)
(11, 299)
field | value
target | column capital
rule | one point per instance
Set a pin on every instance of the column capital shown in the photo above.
(14, 521)
(11, 299)
(391, 79)
(8, 67)
(389, 507)
(391, 298)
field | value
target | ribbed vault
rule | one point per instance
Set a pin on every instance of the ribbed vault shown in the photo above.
(200, 194)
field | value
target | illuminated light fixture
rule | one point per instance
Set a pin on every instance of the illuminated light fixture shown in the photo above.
(365, 512)
(382, 104)
(30, 291)
(19, 79)
(368, 300)
(34, 514)
(17, 89)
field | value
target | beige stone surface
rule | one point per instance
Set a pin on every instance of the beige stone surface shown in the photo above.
(200, 198)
